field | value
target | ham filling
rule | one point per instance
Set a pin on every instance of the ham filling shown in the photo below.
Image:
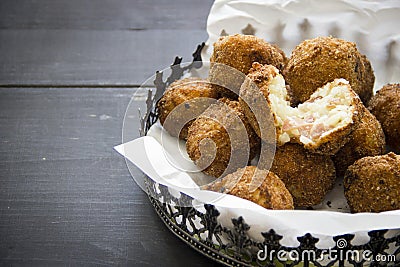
(328, 109)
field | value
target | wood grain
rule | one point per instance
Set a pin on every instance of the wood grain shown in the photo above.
(105, 42)
(66, 197)
(90, 57)
(137, 15)
(67, 72)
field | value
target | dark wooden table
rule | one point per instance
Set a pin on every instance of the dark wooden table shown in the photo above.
(67, 72)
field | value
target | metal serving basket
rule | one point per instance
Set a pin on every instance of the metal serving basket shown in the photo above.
(232, 246)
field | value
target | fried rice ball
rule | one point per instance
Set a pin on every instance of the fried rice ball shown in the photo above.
(322, 123)
(189, 97)
(264, 79)
(219, 133)
(307, 176)
(367, 139)
(385, 105)
(372, 184)
(317, 61)
(269, 191)
(238, 52)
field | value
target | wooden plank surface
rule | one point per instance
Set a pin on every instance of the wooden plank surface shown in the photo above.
(101, 42)
(79, 57)
(104, 14)
(66, 198)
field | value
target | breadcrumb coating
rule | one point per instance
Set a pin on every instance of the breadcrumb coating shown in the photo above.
(189, 97)
(367, 139)
(318, 61)
(215, 141)
(307, 176)
(385, 105)
(372, 184)
(239, 52)
(269, 192)
(369, 79)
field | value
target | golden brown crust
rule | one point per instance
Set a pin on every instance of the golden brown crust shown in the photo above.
(317, 61)
(372, 184)
(385, 105)
(209, 126)
(269, 192)
(240, 51)
(226, 81)
(184, 91)
(307, 176)
(369, 80)
(367, 139)
(259, 76)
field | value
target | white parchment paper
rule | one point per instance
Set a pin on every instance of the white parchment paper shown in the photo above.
(155, 159)
(372, 25)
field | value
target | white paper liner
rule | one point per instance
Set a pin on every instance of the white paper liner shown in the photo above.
(149, 155)
(371, 24)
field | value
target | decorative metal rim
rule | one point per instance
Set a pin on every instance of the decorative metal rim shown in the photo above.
(188, 239)
(238, 249)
